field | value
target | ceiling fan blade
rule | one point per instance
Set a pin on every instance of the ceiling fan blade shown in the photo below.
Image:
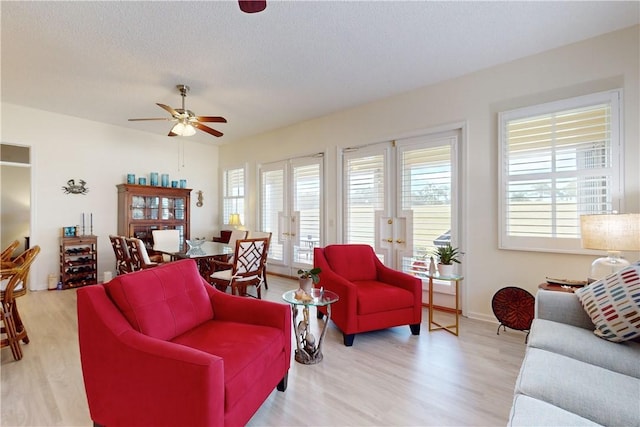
(207, 129)
(138, 120)
(169, 109)
(171, 133)
(211, 119)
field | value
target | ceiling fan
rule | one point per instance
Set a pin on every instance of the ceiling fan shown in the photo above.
(187, 122)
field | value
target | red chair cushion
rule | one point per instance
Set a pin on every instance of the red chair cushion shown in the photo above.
(376, 297)
(248, 352)
(162, 302)
(353, 262)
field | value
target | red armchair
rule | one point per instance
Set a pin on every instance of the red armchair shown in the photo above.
(161, 347)
(372, 296)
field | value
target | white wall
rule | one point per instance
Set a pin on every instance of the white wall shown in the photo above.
(66, 148)
(605, 62)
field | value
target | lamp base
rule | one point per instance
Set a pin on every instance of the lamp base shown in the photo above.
(602, 267)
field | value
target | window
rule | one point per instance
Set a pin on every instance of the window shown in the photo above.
(558, 161)
(233, 194)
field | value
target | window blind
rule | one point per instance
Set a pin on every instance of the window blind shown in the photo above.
(557, 165)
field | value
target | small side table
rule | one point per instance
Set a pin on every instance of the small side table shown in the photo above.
(449, 328)
(309, 351)
(559, 288)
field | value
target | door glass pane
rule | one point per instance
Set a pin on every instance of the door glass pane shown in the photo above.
(272, 207)
(426, 191)
(306, 205)
(363, 196)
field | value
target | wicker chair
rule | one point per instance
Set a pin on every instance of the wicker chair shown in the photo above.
(14, 284)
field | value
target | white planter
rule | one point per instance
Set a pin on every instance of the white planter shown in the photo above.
(306, 284)
(445, 270)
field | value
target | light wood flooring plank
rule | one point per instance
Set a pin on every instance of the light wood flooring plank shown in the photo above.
(387, 378)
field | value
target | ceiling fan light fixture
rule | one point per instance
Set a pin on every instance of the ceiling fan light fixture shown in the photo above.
(183, 129)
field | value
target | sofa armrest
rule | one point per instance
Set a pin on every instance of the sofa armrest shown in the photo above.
(248, 310)
(563, 307)
(126, 373)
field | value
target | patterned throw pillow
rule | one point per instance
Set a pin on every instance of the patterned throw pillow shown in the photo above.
(613, 303)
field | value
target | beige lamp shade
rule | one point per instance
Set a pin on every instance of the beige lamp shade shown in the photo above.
(234, 219)
(611, 232)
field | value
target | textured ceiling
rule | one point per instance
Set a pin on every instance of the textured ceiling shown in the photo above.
(110, 61)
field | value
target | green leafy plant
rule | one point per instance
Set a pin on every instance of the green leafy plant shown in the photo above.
(312, 274)
(447, 254)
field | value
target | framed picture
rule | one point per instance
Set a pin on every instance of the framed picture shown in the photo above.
(68, 231)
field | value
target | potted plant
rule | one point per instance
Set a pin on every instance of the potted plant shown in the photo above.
(308, 278)
(447, 255)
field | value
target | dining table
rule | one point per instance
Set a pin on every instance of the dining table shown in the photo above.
(203, 254)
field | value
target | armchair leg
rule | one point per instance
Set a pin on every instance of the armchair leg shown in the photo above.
(282, 385)
(348, 339)
(415, 329)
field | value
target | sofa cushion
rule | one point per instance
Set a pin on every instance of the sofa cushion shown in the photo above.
(248, 351)
(353, 262)
(162, 302)
(582, 344)
(598, 394)
(376, 297)
(527, 411)
(613, 303)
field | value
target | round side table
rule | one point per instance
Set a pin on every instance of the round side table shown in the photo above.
(309, 351)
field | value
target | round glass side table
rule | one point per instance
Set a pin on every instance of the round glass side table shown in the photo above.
(309, 349)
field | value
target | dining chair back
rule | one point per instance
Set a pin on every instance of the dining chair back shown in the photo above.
(166, 241)
(235, 236)
(13, 283)
(139, 256)
(8, 251)
(123, 260)
(247, 270)
(258, 235)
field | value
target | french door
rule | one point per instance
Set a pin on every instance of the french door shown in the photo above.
(401, 197)
(290, 208)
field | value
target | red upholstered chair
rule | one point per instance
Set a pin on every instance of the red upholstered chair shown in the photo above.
(372, 296)
(161, 347)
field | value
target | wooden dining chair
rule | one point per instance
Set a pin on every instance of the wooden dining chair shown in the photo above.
(247, 269)
(139, 256)
(8, 251)
(13, 283)
(123, 260)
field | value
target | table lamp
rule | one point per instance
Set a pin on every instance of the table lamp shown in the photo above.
(234, 219)
(612, 233)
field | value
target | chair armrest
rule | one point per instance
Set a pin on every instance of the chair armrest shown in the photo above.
(126, 373)
(398, 278)
(563, 307)
(221, 265)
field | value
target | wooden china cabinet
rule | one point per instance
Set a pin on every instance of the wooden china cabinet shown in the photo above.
(144, 208)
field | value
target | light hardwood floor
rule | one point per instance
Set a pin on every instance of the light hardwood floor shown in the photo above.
(387, 378)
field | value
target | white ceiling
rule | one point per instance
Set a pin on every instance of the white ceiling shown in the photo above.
(110, 61)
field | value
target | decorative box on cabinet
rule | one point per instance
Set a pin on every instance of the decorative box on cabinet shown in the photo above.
(144, 208)
(78, 261)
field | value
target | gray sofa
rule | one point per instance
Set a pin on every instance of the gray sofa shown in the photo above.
(571, 377)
